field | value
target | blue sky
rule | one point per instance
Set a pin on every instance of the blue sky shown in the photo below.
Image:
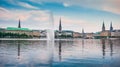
(75, 14)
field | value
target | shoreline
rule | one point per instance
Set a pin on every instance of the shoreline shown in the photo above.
(47, 39)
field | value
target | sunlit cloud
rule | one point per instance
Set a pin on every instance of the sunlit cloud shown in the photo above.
(3, 9)
(35, 19)
(66, 5)
(26, 5)
(13, 15)
(113, 10)
(103, 5)
(21, 3)
(23, 15)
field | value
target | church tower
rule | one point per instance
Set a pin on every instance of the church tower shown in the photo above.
(83, 34)
(111, 28)
(19, 25)
(103, 26)
(60, 26)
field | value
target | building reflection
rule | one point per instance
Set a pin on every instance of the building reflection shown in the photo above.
(103, 47)
(18, 49)
(111, 47)
(82, 45)
(60, 50)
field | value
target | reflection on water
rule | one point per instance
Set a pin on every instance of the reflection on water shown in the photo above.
(60, 56)
(24, 54)
(87, 53)
(82, 45)
(111, 47)
(67, 53)
(18, 50)
(103, 47)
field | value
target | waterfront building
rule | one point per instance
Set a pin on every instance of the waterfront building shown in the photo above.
(36, 34)
(2, 29)
(89, 35)
(43, 33)
(115, 34)
(105, 34)
(111, 33)
(77, 35)
(14, 32)
(18, 30)
(97, 35)
(67, 34)
(64, 34)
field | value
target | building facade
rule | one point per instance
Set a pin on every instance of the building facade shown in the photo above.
(115, 34)
(14, 32)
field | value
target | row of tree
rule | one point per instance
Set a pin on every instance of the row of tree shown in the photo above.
(14, 35)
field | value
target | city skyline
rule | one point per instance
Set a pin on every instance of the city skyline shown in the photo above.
(75, 15)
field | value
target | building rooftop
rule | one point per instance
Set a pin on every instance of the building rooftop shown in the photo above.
(117, 30)
(97, 33)
(2, 28)
(67, 31)
(14, 28)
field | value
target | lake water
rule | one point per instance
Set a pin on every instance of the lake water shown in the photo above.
(66, 53)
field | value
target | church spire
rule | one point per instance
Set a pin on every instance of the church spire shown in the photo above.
(103, 26)
(60, 26)
(19, 25)
(83, 34)
(111, 28)
(82, 30)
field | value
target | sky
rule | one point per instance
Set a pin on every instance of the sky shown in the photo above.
(75, 14)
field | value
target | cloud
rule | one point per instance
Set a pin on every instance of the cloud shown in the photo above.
(26, 5)
(3, 9)
(104, 5)
(23, 14)
(66, 5)
(21, 4)
(112, 9)
(13, 15)
(30, 18)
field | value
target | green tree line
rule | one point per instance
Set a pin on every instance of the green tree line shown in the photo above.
(14, 35)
